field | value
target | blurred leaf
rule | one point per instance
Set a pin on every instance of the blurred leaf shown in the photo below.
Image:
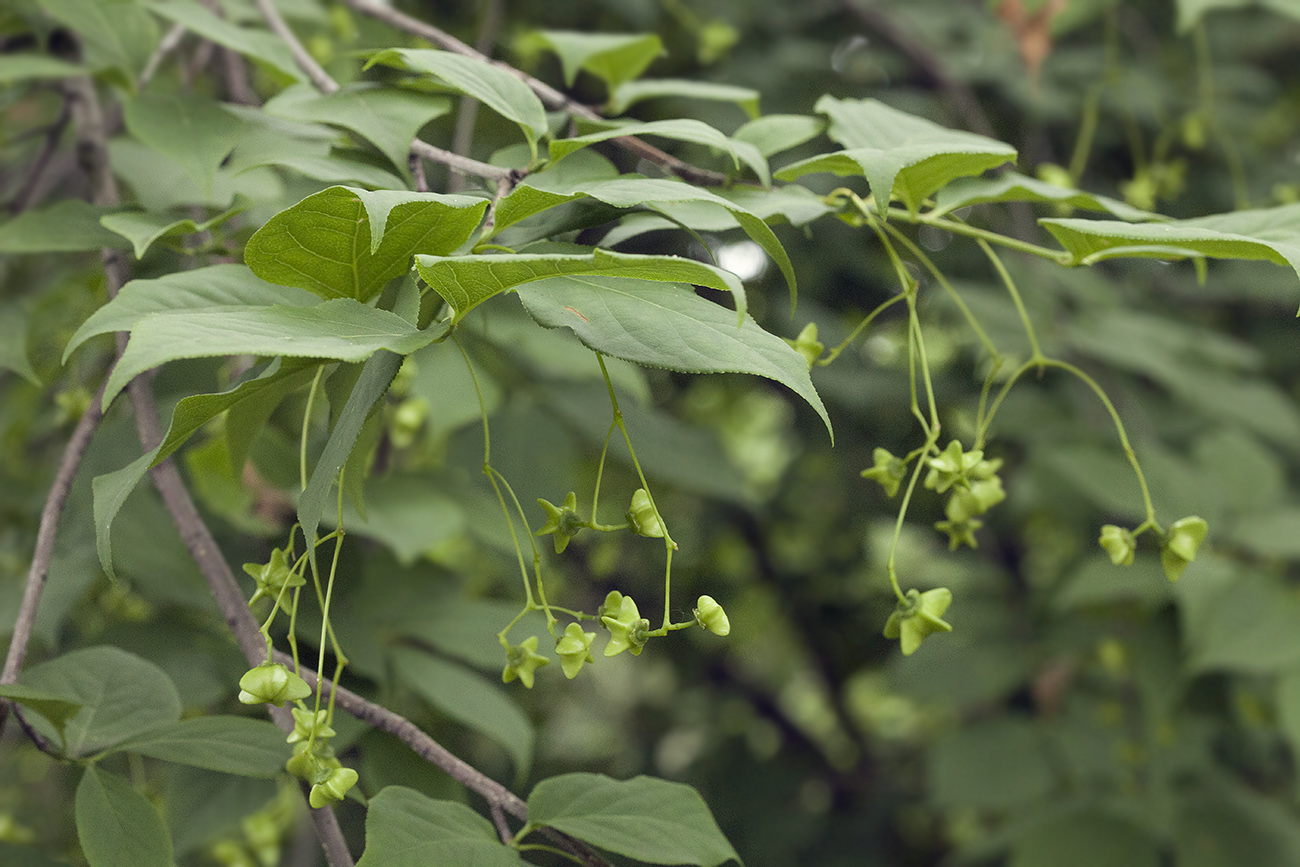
(666, 326)
(994, 764)
(775, 133)
(1088, 837)
(230, 744)
(1098, 581)
(144, 228)
(121, 695)
(1248, 627)
(898, 153)
(115, 34)
(1273, 532)
(257, 45)
(643, 818)
(1014, 187)
(13, 343)
(689, 130)
(1227, 824)
(612, 57)
(407, 829)
(406, 513)
(117, 826)
(54, 706)
(25, 67)
(194, 131)
(21, 856)
(629, 94)
(67, 226)
(202, 804)
(463, 628)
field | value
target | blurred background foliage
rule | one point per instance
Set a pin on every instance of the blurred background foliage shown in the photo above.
(1079, 715)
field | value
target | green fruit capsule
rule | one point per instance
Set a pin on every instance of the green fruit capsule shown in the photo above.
(709, 614)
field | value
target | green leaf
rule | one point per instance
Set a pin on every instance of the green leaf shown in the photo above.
(387, 117)
(213, 287)
(258, 45)
(994, 764)
(309, 156)
(456, 626)
(1088, 837)
(341, 329)
(627, 95)
(628, 192)
(1191, 11)
(643, 818)
(407, 829)
(464, 282)
(1014, 187)
(1249, 627)
(115, 34)
(230, 744)
(55, 707)
(121, 695)
(1271, 234)
(405, 512)
(194, 131)
(1224, 824)
(666, 326)
(110, 492)
(470, 699)
(144, 228)
(612, 57)
(779, 132)
(25, 67)
(899, 154)
(327, 243)
(68, 226)
(13, 343)
(117, 826)
(694, 131)
(500, 91)
(23, 856)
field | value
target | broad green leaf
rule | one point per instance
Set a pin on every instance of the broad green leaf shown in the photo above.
(110, 492)
(1222, 823)
(526, 200)
(160, 184)
(56, 708)
(121, 695)
(317, 161)
(194, 131)
(1271, 234)
(1088, 837)
(326, 243)
(775, 133)
(230, 744)
(694, 131)
(898, 153)
(666, 326)
(13, 342)
(643, 818)
(1272, 532)
(117, 826)
(405, 512)
(202, 804)
(25, 67)
(257, 45)
(470, 699)
(405, 828)
(370, 387)
(456, 626)
(1015, 187)
(143, 228)
(216, 286)
(67, 226)
(464, 282)
(342, 329)
(1248, 628)
(795, 204)
(627, 95)
(115, 34)
(612, 57)
(499, 90)
(388, 117)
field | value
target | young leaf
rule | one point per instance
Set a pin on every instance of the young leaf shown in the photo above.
(194, 131)
(666, 326)
(405, 828)
(121, 695)
(109, 492)
(695, 131)
(612, 57)
(779, 132)
(230, 744)
(627, 95)
(117, 826)
(464, 282)
(629, 192)
(500, 91)
(470, 699)
(1015, 187)
(258, 45)
(326, 243)
(387, 117)
(898, 153)
(56, 708)
(643, 818)
(143, 228)
(67, 226)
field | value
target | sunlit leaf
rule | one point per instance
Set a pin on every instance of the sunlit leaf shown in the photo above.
(144, 228)
(192, 130)
(775, 133)
(259, 45)
(627, 95)
(1014, 187)
(688, 130)
(612, 57)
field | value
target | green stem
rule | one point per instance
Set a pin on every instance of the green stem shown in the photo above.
(853, 335)
(306, 424)
(957, 227)
(1035, 352)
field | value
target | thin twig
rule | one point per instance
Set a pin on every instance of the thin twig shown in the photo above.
(455, 162)
(23, 198)
(549, 96)
(166, 46)
(233, 65)
(503, 828)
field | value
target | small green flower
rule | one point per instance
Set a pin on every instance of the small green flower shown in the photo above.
(961, 531)
(1179, 548)
(917, 617)
(273, 576)
(574, 649)
(709, 614)
(307, 723)
(888, 471)
(271, 683)
(312, 765)
(807, 344)
(1119, 543)
(333, 788)
(627, 631)
(523, 660)
(564, 521)
(641, 516)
